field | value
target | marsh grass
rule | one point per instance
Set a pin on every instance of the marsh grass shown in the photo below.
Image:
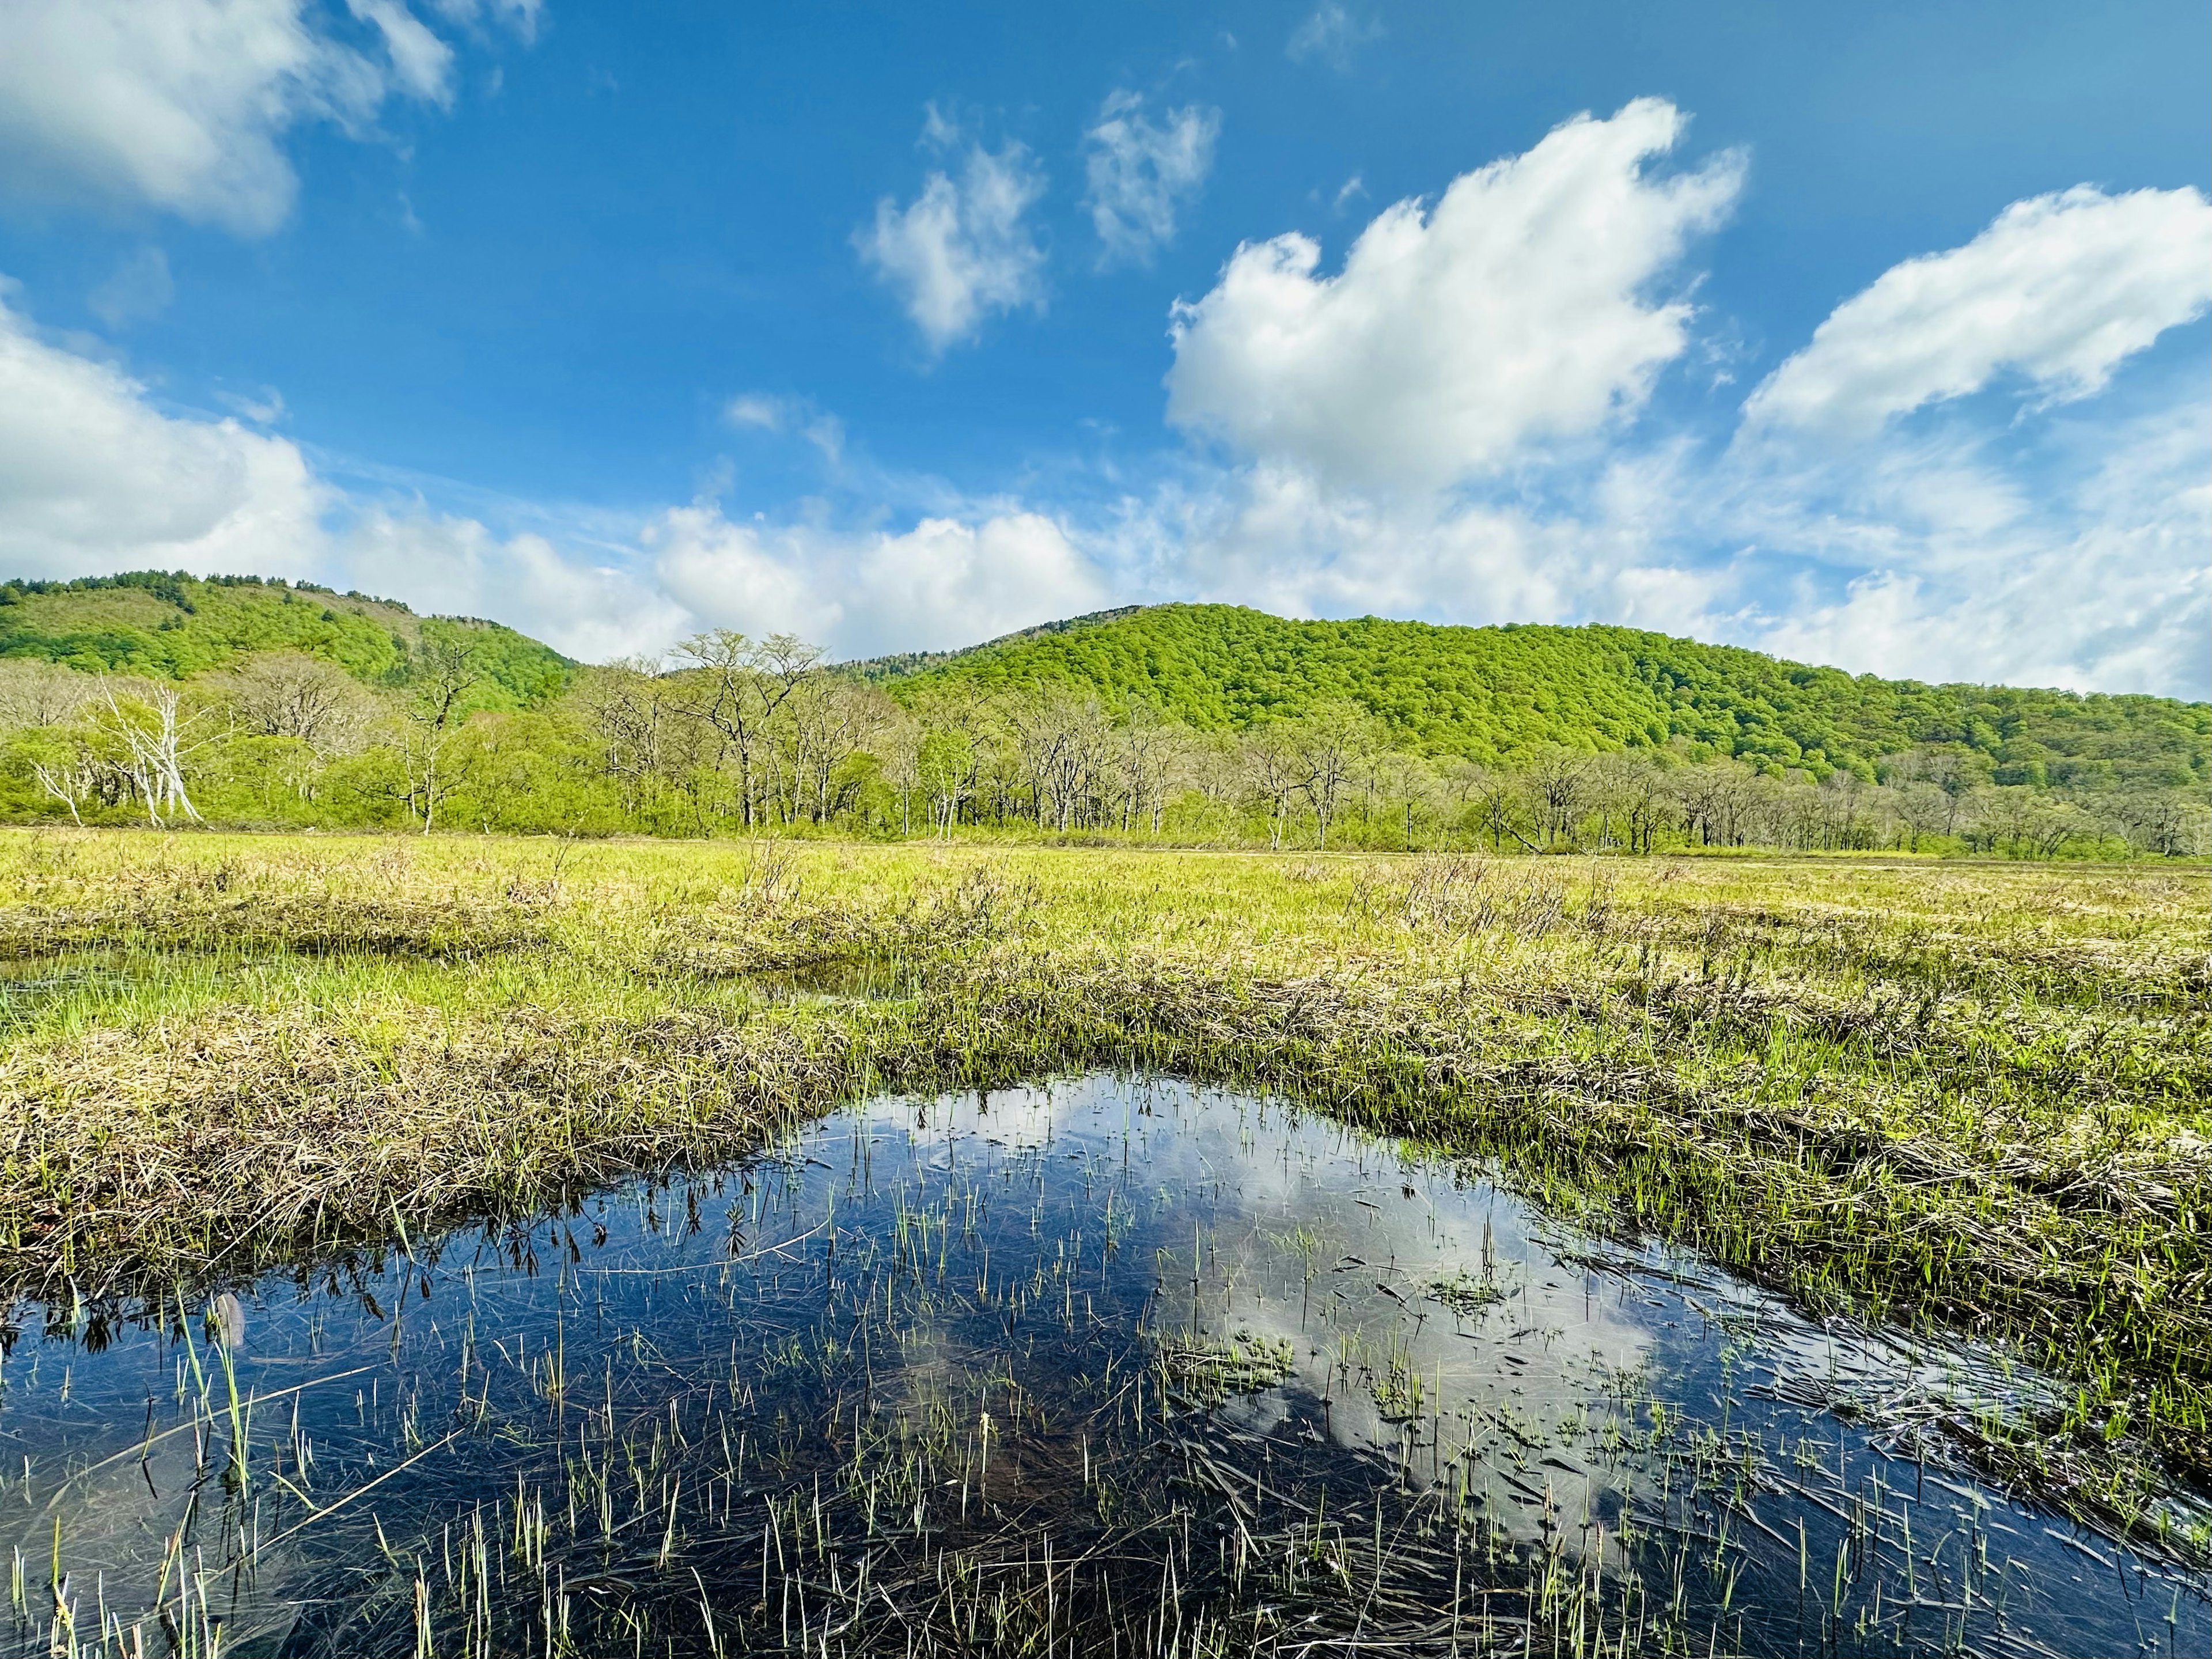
(971, 1376)
(1972, 1098)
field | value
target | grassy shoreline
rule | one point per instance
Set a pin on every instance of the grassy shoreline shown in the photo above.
(1969, 1097)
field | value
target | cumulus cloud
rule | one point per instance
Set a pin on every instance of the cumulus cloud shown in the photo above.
(594, 611)
(93, 478)
(1274, 537)
(946, 582)
(1517, 313)
(184, 105)
(2059, 290)
(962, 249)
(1441, 429)
(1140, 171)
(2032, 542)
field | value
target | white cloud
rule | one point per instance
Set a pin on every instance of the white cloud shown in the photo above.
(944, 583)
(1517, 313)
(421, 63)
(1982, 543)
(1141, 170)
(441, 563)
(960, 250)
(1439, 431)
(93, 479)
(1330, 35)
(184, 105)
(267, 409)
(756, 409)
(2059, 289)
(2022, 545)
(521, 15)
(2078, 564)
(140, 287)
(1274, 537)
(762, 412)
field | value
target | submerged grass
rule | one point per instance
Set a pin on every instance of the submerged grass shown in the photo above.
(1972, 1098)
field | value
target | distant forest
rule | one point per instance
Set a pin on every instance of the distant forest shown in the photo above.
(159, 698)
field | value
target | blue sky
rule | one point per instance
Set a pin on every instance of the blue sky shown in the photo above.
(1874, 336)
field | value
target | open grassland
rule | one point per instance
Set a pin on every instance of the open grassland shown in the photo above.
(1974, 1097)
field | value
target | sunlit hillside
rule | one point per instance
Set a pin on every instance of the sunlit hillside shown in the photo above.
(1491, 693)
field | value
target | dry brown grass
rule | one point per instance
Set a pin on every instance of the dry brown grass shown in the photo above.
(1974, 1097)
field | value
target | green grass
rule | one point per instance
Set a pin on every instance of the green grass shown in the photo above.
(1972, 1098)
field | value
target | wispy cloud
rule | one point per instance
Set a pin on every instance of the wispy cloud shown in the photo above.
(1330, 36)
(140, 287)
(1140, 171)
(963, 249)
(760, 411)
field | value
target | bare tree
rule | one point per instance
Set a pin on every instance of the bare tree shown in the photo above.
(445, 671)
(1713, 797)
(632, 707)
(1148, 747)
(1921, 809)
(1558, 782)
(1494, 799)
(1949, 768)
(150, 727)
(1274, 764)
(1333, 742)
(1403, 787)
(2165, 822)
(2054, 825)
(1062, 742)
(288, 694)
(35, 696)
(827, 720)
(1633, 788)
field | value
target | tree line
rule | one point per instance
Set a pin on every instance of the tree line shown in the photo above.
(732, 735)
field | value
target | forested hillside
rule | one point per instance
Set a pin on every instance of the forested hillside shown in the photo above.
(162, 700)
(173, 626)
(1493, 695)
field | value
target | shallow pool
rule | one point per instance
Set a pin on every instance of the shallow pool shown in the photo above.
(1114, 1366)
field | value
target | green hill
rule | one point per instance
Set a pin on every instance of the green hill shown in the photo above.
(171, 626)
(1488, 694)
(1491, 693)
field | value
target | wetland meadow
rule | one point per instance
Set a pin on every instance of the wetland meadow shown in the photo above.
(479, 1246)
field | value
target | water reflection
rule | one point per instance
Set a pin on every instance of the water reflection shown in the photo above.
(1109, 1367)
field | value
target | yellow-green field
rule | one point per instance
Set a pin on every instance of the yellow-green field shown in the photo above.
(1974, 1097)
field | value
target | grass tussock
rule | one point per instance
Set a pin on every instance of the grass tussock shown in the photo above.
(1968, 1098)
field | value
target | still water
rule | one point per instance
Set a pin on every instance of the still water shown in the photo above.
(1113, 1365)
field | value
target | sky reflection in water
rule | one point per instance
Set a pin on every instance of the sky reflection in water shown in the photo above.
(944, 1321)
